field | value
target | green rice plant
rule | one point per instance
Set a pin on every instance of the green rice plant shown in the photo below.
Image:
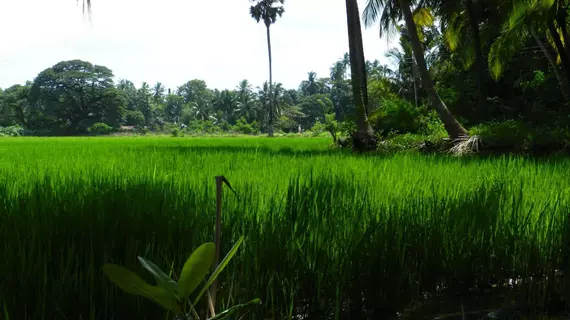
(330, 233)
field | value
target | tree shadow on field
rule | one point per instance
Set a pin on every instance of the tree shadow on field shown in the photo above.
(335, 152)
(560, 159)
(283, 151)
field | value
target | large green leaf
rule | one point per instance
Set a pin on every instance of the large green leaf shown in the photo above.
(196, 268)
(219, 269)
(162, 279)
(133, 284)
(125, 279)
(163, 298)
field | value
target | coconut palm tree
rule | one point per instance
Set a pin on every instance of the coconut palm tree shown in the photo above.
(268, 11)
(404, 77)
(340, 68)
(312, 85)
(271, 98)
(363, 139)
(158, 94)
(388, 13)
(247, 104)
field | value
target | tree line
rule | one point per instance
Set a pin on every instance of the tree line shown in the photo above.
(72, 96)
(460, 64)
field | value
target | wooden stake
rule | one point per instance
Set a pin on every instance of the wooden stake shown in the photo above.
(219, 185)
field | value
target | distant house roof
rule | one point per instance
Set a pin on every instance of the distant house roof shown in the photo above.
(127, 127)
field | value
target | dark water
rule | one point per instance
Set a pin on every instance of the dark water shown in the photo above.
(506, 303)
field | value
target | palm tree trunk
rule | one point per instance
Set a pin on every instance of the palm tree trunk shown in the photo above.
(559, 47)
(479, 62)
(364, 139)
(563, 83)
(271, 102)
(454, 129)
(561, 20)
(414, 77)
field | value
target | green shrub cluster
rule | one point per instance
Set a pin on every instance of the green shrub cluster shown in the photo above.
(243, 127)
(11, 131)
(520, 136)
(100, 129)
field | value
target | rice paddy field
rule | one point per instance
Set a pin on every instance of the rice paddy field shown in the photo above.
(328, 233)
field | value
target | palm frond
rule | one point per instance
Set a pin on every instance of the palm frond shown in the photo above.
(389, 19)
(502, 50)
(423, 17)
(387, 13)
(524, 11)
(371, 12)
(454, 31)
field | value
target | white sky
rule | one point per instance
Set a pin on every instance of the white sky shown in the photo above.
(173, 41)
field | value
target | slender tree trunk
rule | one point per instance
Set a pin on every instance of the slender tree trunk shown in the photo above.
(415, 83)
(271, 100)
(364, 139)
(559, 47)
(479, 62)
(454, 129)
(561, 20)
(562, 82)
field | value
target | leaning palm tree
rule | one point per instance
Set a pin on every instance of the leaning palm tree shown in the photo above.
(268, 11)
(388, 13)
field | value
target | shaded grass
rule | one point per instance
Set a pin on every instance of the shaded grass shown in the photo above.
(322, 226)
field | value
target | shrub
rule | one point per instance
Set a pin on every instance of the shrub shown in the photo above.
(243, 127)
(134, 118)
(557, 138)
(225, 126)
(143, 130)
(505, 134)
(100, 128)
(175, 132)
(330, 126)
(516, 135)
(318, 129)
(11, 131)
(203, 126)
(287, 124)
(397, 115)
(432, 126)
(169, 127)
(401, 142)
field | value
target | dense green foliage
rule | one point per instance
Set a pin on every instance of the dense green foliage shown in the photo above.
(487, 61)
(321, 226)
